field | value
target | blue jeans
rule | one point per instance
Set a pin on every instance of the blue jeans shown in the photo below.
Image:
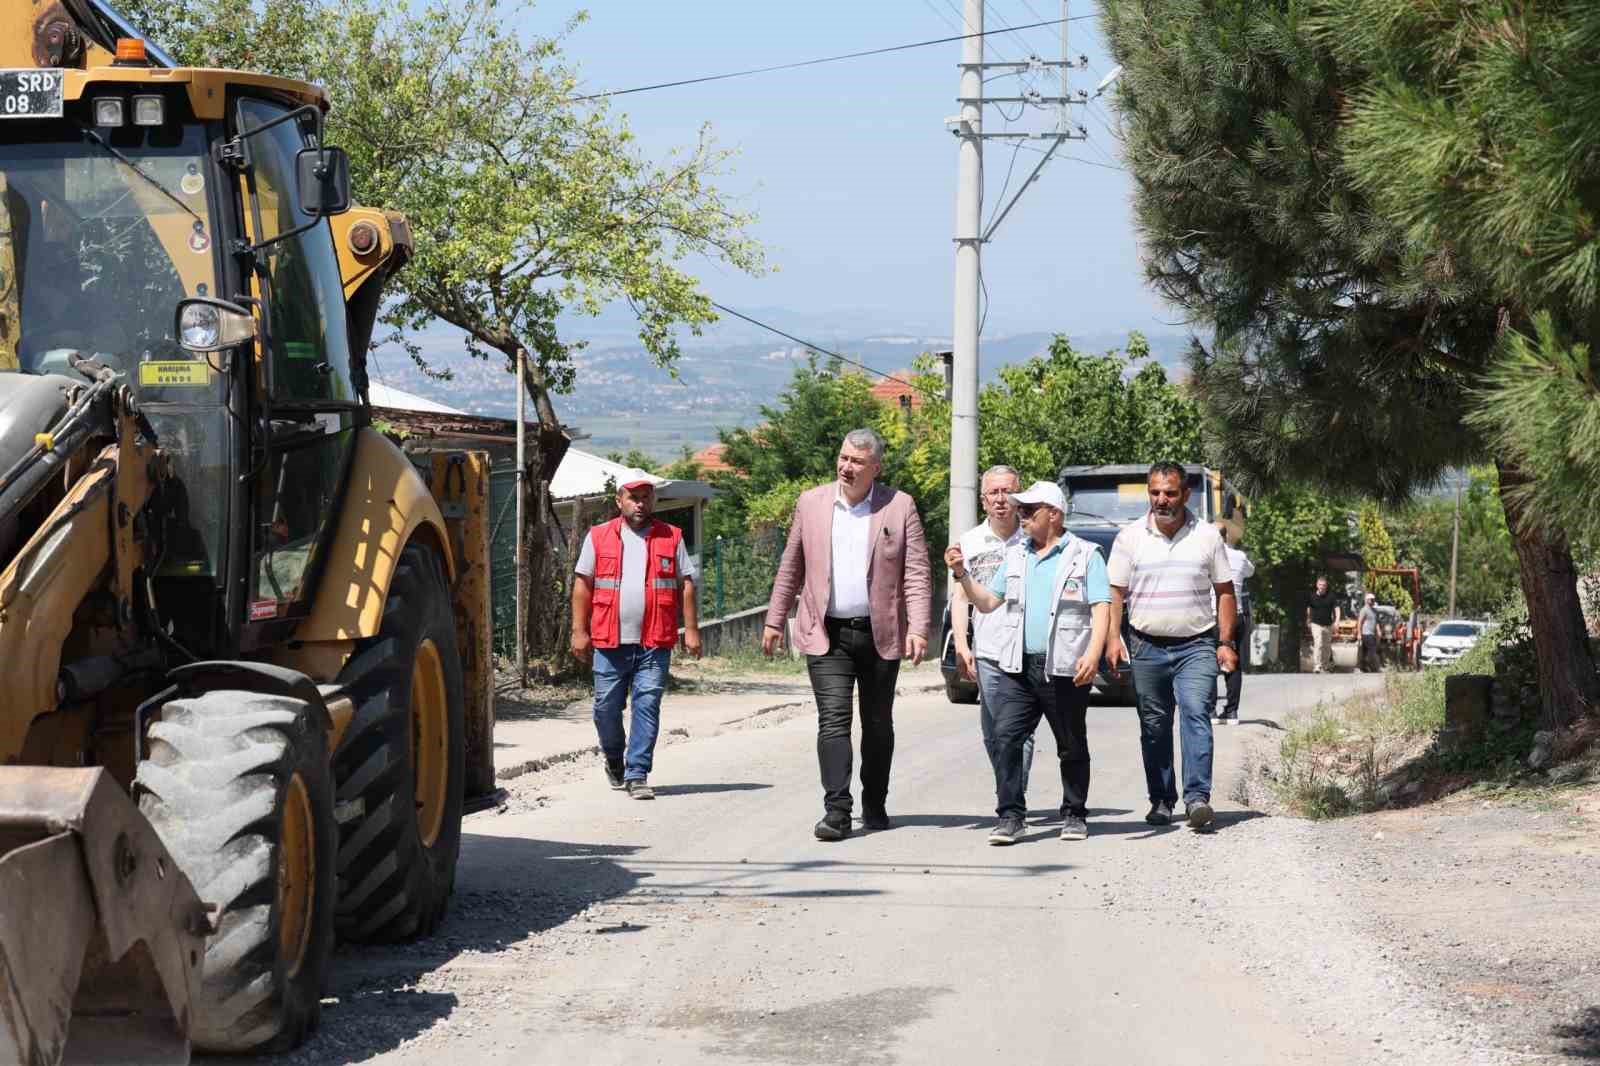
(1175, 675)
(618, 672)
(989, 673)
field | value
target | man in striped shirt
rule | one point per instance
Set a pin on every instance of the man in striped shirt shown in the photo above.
(1165, 569)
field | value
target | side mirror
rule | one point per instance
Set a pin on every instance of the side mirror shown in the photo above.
(1227, 504)
(208, 325)
(322, 179)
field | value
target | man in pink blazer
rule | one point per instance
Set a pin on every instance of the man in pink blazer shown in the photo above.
(857, 563)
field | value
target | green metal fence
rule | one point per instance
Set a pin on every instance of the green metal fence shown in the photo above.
(737, 572)
(503, 559)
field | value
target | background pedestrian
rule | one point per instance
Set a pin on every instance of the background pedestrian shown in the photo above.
(1233, 681)
(1169, 569)
(632, 584)
(857, 563)
(1367, 623)
(1322, 614)
(1051, 607)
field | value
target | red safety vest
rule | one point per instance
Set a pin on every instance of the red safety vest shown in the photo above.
(660, 626)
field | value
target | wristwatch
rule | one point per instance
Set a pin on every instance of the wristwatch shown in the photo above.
(1234, 644)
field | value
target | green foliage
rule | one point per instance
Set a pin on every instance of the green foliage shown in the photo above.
(1377, 551)
(737, 572)
(635, 458)
(1063, 408)
(1289, 532)
(524, 201)
(1340, 351)
(1487, 563)
(1540, 407)
(794, 447)
(1477, 131)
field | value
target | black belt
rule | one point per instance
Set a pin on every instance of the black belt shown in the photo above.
(863, 622)
(1168, 642)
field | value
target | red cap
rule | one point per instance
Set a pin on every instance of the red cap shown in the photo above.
(642, 483)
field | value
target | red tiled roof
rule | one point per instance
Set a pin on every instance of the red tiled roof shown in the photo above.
(711, 458)
(890, 389)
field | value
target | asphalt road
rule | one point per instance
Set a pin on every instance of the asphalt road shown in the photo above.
(709, 926)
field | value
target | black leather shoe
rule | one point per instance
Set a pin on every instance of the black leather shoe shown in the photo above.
(1160, 814)
(874, 818)
(834, 826)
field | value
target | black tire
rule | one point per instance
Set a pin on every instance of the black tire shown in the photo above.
(958, 691)
(228, 777)
(394, 884)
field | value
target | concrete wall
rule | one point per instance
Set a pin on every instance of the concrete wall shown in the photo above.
(733, 634)
(742, 631)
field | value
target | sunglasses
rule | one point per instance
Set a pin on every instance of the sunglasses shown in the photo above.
(1026, 510)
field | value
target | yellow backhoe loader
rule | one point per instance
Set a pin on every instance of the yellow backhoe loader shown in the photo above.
(244, 642)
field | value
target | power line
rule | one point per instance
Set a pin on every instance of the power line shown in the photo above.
(808, 344)
(810, 62)
(942, 16)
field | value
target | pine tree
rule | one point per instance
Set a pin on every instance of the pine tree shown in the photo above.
(1342, 349)
(1480, 131)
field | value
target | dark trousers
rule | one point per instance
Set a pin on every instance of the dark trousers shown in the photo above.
(853, 660)
(1370, 659)
(1020, 700)
(1233, 681)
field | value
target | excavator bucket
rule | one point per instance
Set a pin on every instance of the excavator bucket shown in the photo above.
(101, 935)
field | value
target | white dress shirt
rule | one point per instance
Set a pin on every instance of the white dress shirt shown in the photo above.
(852, 539)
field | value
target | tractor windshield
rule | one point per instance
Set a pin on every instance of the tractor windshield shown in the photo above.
(102, 233)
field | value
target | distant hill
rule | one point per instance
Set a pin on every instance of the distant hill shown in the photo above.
(624, 401)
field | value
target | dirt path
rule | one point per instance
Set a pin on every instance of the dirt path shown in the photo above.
(709, 926)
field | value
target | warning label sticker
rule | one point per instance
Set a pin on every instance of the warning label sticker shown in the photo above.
(262, 609)
(183, 375)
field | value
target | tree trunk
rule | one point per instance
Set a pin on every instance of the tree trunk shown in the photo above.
(1288, 590)
(1568, 686)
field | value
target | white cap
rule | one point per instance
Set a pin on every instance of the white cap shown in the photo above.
(1042, 492)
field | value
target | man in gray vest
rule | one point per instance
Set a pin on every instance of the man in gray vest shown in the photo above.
(1056, 600)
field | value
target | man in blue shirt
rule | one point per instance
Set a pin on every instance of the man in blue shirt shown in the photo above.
(1056, 600)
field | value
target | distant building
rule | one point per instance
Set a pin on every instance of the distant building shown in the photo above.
(896, 390)
(712, 458)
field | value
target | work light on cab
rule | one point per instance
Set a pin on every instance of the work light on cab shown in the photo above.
(109, 111)
(148, 111)
(206, 325)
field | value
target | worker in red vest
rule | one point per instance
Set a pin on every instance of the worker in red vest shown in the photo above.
(633, 583)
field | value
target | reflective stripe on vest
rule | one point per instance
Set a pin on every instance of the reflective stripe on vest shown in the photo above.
(659, 627)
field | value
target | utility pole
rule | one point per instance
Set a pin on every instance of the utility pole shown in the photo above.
(522, 531)
(971, 234)
(1455, 545)
(969, 249)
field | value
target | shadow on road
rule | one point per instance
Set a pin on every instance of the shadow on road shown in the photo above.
(695, 790)
(1582, 1036)
(529, 886)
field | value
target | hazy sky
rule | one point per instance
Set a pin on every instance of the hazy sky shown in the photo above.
(849, 164)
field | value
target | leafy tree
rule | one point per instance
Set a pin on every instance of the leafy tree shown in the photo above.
(794, 447)
(1486, 563)
(525, 200)
(1377, 551)
(1502, 98)
(1062, 408)
(1290, 531)
(1343, 349)
(635, 458)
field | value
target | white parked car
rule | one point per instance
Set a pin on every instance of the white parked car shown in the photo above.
(1450, 639)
